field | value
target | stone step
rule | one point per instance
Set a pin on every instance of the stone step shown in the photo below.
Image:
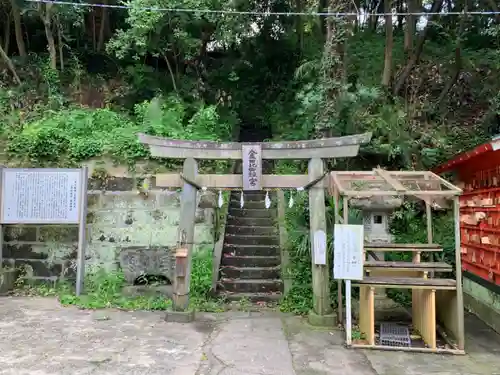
(252, 297)
(252, 213)
(251, 285)
(250, 272)
(250, 261)
(246, 221)
(258, 196)
(256, 231)
(251, 250)
(247, 204)
(251, 240)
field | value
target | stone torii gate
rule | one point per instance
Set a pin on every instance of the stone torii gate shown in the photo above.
(252, 178)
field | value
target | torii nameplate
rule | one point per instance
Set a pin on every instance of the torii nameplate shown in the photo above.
(252, 167)
(338, 147)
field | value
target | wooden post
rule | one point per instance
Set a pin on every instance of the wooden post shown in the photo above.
(285, 257)
(185, 238)
(428, 216)
(320, 272)
(458, 272)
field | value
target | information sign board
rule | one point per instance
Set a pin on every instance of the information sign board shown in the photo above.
(348, 252)
(41, 196)
(46, 196)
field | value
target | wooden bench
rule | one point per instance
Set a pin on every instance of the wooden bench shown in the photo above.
(416, 249)
(423, 303)
(403, 247)
(408, 266)
(408, 283)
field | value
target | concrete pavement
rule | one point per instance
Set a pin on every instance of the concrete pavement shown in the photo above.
(40, 337)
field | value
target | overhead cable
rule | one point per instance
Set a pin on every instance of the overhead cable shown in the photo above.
(260, 13)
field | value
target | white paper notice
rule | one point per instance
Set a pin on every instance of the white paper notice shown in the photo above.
(348, 252)
(319, 247)
(41, 196)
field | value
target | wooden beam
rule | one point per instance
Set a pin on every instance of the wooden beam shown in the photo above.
(395, 184)
(336, 183)
(446, 183)
(388, 193)
(420, 174)
(235, 181)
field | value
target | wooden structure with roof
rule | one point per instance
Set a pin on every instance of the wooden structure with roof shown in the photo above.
(433, 299)
(477, 172)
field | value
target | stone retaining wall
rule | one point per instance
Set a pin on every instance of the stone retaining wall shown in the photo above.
(120, 217)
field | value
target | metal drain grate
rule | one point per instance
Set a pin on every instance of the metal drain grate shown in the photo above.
(394, 335)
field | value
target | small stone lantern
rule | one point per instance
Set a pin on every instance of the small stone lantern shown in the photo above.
(376, 213)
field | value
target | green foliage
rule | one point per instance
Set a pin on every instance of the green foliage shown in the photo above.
(357, 334)
(299, 298)
(410, 226)
(201, 282)
(204, 76)
(159, 33)
(201, 274)
(76, 134)
(104, 290)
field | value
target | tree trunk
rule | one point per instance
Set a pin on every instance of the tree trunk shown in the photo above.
(171, 72)
(18, 29)
(51, 45)
(102, 29)
(373, 23)
(10, 65)
(94, 36)
(456, 73)
(387, 74)
(6, 36)
(46, 17)
(357, 5)
(458, 61)
(410, 27)
(322, 7)
(299, 24)
(436, 6)
(399, 8)
(60, 45)
(494, 7)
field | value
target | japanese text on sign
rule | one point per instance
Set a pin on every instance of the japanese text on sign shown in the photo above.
(252, 167)
(41, 196)
(348, 252)
(319, 247)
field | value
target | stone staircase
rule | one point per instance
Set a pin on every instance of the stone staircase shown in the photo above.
(250, 264)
